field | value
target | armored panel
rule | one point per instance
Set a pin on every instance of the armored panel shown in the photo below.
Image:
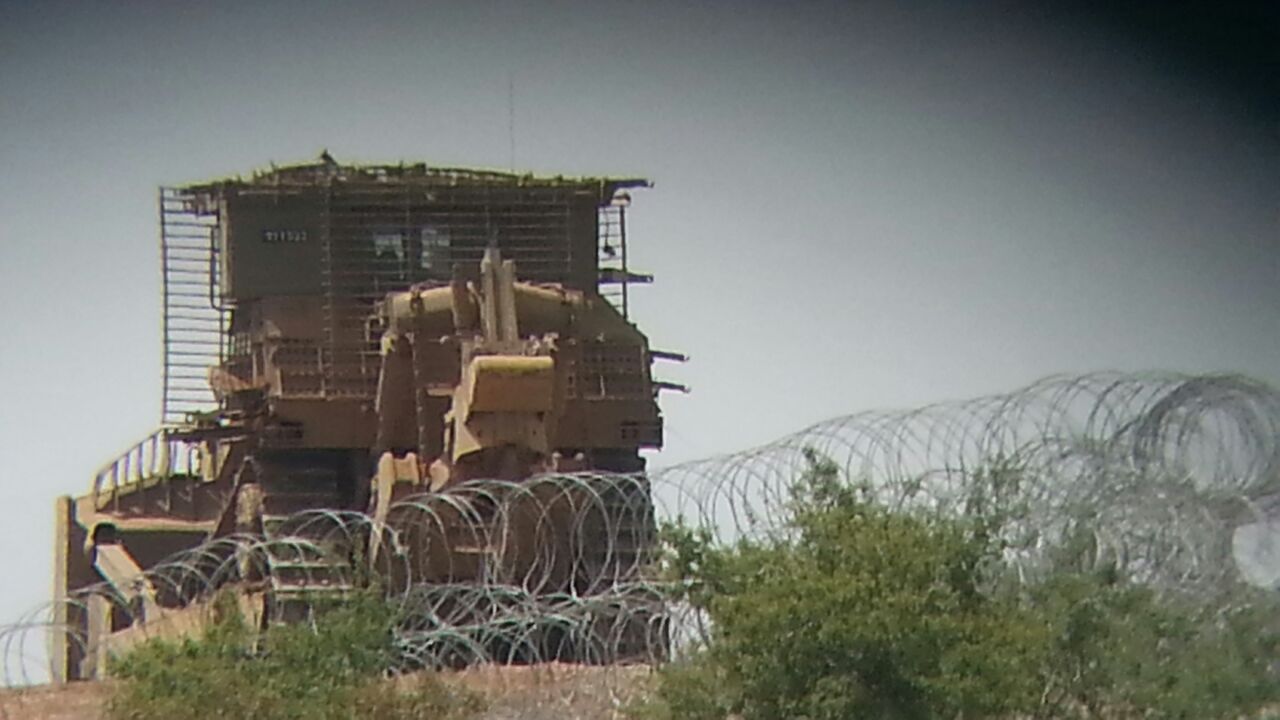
(272, 244)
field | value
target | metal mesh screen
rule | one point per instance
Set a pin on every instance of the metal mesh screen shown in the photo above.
(194, 326)
(378, 240)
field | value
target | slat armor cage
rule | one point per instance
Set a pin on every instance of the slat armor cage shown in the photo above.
(329, 241)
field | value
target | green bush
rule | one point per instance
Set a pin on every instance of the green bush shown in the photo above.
(1119, 650)
(857, 611)
(331, 670)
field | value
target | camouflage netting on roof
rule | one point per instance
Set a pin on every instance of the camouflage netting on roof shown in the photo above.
(327, 171)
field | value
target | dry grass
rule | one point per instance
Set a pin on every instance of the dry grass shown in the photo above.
(552, 691)
(79, 701)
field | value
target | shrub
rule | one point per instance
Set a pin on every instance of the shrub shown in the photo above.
(1121, 649)
(858, 611)
(331, 670)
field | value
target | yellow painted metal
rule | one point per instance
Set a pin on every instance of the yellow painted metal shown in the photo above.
(510, 384)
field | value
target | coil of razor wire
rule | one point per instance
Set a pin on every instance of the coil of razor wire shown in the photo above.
(1173, 480)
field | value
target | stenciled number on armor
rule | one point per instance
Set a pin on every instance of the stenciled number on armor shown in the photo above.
(282, 237)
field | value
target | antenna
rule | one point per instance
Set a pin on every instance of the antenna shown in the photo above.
(511, 117)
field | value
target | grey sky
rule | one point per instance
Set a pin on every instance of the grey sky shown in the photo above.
(856, 206)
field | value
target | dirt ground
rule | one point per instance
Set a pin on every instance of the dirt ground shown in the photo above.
(81, 701)
(551, 691)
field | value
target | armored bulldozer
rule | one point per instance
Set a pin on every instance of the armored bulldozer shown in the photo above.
(338, 338)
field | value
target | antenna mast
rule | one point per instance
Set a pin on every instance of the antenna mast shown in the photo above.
(511, 118)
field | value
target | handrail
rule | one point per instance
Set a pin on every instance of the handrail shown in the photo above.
(156, 456)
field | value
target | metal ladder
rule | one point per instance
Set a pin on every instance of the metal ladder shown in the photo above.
(302, 567)
(194, 321)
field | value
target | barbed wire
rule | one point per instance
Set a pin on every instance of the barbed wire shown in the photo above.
(1172, 480)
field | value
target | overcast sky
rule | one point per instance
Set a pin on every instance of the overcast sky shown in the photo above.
(855, 207)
